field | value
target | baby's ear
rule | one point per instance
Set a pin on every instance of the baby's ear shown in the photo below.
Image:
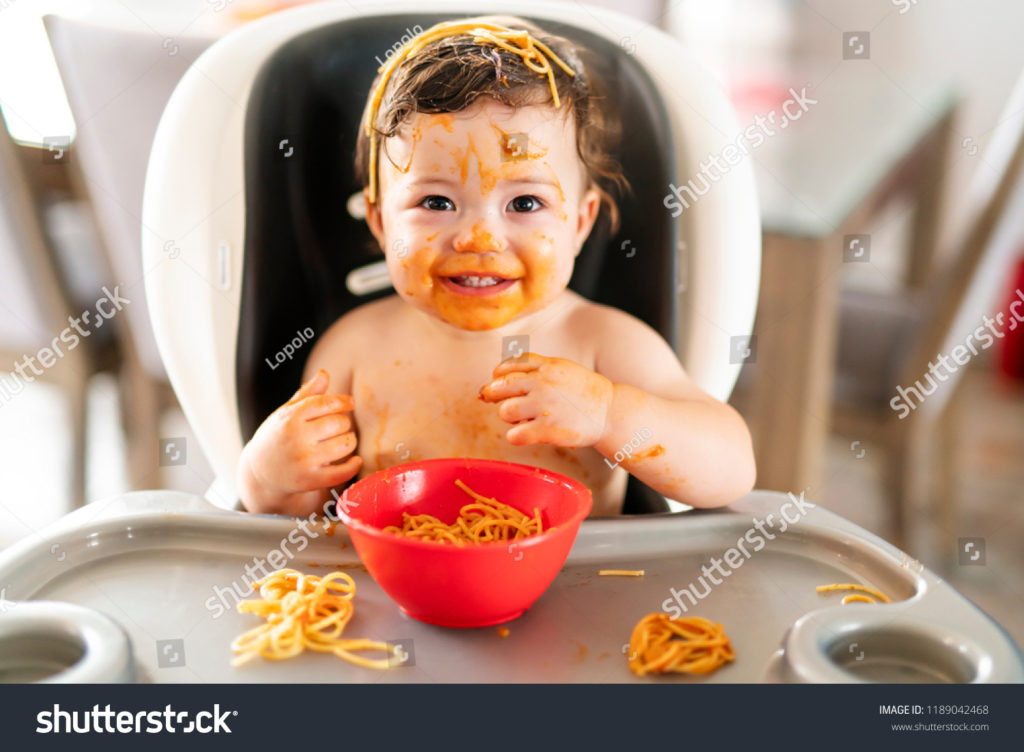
(590, 206)
(373, 220)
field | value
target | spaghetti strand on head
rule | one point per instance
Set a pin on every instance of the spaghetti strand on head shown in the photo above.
(536, 56)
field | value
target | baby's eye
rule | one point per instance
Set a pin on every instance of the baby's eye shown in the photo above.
(437, 203)
(525, 204)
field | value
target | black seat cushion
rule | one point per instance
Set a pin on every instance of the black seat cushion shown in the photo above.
(301, 242)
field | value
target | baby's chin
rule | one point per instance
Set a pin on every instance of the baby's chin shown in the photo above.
(476, 321)
(480, 317)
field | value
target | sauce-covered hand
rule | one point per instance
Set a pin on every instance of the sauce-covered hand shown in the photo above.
(299, 451)
(549, 401)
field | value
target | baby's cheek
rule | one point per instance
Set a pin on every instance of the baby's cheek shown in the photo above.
(412, 275)
(545, 269)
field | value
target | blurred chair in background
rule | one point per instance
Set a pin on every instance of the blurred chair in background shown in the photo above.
(117, 84)
(38, 296)
(888, 339)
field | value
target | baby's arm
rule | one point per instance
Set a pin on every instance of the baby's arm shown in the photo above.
(298, 454)
(638, 409)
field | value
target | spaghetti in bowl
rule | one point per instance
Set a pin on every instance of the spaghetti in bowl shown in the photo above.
(488, 576)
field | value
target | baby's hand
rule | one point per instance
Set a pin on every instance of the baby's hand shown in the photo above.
(297, 447)
(550, 401)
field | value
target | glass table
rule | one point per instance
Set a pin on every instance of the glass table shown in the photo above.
(865, 141)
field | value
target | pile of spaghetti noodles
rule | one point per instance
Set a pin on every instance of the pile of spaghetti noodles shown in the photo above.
(481, 521)
(686, 645)
(861, 596)
(303, 611)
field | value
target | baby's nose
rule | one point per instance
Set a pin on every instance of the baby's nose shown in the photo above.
(478, 239)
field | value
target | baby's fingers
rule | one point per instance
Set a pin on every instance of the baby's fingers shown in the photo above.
(510, 385)
(527, 362)
(540, 431)
(523, 434)
(517, 410)
(328, 475)
(319, 405)
(335, 475)
(333, 449)
(329, 426)
(316, 385)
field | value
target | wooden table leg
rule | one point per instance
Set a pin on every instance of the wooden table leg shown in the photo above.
(789, 403)
(930, 190)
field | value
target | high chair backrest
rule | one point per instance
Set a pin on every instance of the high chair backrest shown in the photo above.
(308, 98)
(251, 170)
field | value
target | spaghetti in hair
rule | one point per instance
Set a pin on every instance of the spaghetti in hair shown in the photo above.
(304, 611)
(534, 53)
(483, 520)
(858, 596)
(686, 645)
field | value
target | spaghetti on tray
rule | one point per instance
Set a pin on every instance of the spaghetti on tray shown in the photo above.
(861, 593)
(685, 645)
(302, 612)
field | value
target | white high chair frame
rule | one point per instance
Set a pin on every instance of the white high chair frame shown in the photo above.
(194, 204)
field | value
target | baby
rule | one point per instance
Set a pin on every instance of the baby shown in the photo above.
(485, 168)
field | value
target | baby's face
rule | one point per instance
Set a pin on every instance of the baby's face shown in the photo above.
(480, 226)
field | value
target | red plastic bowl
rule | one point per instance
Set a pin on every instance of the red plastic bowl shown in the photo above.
(475, 585)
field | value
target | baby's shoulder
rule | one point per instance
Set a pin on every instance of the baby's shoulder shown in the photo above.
(364, 322)
(605, 323)
(353, 331)
(620, 341)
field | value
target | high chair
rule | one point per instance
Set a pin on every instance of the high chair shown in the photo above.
(251, 172)
(249, 181)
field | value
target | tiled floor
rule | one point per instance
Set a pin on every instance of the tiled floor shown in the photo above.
(990, 460)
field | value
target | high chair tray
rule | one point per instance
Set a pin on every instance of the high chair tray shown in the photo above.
(162, 565)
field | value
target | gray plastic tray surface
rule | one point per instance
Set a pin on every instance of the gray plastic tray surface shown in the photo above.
(163, 565)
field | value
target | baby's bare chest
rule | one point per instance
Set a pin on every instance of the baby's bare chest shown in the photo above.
(407, 411)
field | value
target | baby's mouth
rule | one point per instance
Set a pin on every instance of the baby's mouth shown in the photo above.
(477, 284)
(476, 280)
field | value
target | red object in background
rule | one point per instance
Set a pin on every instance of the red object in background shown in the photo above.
(1011, 346)
(476, 585)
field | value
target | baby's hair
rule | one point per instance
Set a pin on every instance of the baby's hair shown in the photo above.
(450, 73)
